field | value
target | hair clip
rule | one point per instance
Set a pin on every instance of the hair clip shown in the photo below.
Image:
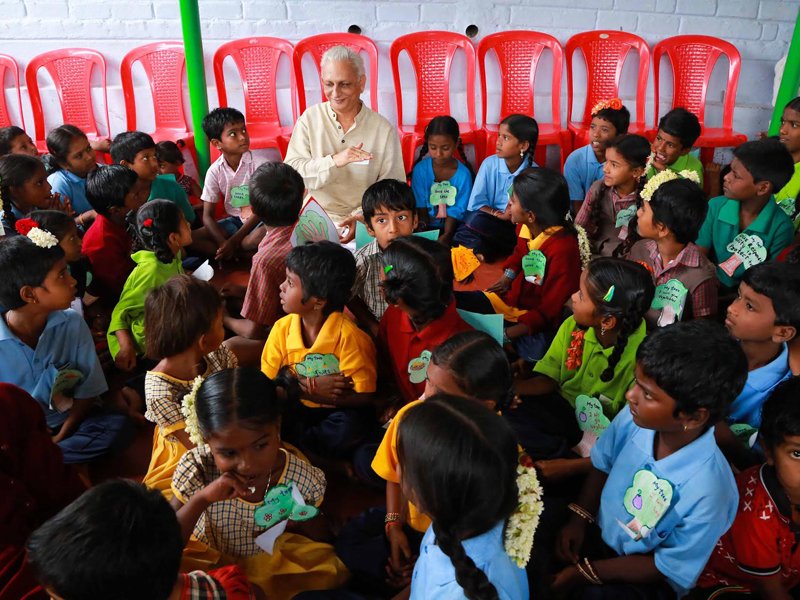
(609, 294)
(387, 268)
(147, 223)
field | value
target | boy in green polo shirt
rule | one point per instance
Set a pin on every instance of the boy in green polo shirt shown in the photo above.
(678, 130)
(746, 226)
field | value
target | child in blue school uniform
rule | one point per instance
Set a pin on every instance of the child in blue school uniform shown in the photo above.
(48, 350)
(469, 491)
(746, 226)
(75, 159)
(765, 318)
(442, 183)
(584, 166)
(487, 228)
(657, 527)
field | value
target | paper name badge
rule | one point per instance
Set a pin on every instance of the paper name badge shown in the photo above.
(442, 192)
(747, 250)
(647, 500)
(533, 266)
(670, 299)
(240, 196)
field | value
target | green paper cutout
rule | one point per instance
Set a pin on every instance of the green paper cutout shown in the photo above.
(418, 367)
(240, 196)
(317, 365)
(279, 506)
(311, 227)
(745, 249)
(590, 416)
(647, 500)
(787, 205)
(442, 193)
(670, 299)
(66, 381)
(533, 266)
(745, 433)
(625, 215)
(491, 324)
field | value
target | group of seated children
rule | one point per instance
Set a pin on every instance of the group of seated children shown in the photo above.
(665, 442)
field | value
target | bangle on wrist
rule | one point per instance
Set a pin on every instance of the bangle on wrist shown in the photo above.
(581, 512)
(506, 339)
(592, 573)
(391, 517)
(509, 274)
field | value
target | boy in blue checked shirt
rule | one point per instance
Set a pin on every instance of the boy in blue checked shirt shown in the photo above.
(746, 227)
(658, 526)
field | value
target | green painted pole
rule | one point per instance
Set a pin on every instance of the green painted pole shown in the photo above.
(789, 81)
(196, 75)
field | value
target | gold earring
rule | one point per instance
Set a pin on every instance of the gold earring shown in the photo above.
(521, 153)
(684, 427)
(602, 330)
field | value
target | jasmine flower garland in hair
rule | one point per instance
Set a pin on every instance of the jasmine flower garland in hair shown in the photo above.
(41, 237)
(666, 175)
(190, 412)
(523, 522)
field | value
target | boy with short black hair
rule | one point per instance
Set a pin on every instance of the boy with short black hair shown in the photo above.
(114, 192)
(746, 226)
(389, 211)
(657, 524)
(764, 317)
(584, 166)
(137, 151)
(227, 179)
(678, 130)
(121, 540)
(759, 555)
(333, 359)
(276, 195)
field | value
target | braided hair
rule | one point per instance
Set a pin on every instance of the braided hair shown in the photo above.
(15, 170)
(525, 129)
(445, 125)
(631, 298)
(478, 365)
(634, 149)
(155, 222)
(471, 485)
(420, 273)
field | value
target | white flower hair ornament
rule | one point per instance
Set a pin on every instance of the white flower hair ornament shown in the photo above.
(523, 522)
(189, 411)
(33, 231)
(666, 175)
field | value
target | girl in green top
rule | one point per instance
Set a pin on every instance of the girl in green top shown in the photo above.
(163, 232)
(580, 384)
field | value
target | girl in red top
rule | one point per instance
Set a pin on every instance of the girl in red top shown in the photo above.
(418, 286)
(543, 271)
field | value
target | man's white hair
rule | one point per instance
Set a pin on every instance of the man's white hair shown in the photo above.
(341, 54)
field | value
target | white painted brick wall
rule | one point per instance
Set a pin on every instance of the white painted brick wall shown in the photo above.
(761, 29)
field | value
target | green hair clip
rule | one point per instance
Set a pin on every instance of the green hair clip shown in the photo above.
(387, 268)
(609, 294)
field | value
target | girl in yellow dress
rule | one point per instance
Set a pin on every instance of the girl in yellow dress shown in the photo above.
(226, 484)
(183, 319)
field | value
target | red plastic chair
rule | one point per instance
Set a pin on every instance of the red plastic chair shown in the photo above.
(431, 54)
(693, 58)
(604, 53)
(257, 62)
(317, 45)
(518, 54)
(71, 71)
(164, 64)
(8, 64)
